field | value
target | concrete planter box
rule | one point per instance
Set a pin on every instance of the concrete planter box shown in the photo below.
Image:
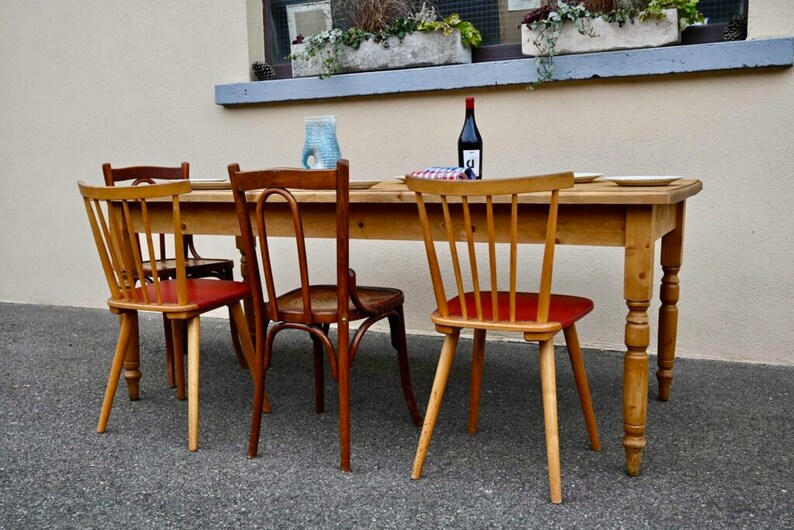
(649, 33)
(416, 49)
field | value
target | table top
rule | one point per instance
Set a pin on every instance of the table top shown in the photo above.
(395, 191)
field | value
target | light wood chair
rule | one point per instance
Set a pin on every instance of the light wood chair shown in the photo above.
(312, 308)
(117, 215)
(196, 266)
(445, 208)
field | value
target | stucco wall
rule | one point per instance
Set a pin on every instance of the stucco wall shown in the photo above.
(130, 83)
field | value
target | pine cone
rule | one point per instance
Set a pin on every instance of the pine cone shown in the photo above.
(736, 29)
(262, 71)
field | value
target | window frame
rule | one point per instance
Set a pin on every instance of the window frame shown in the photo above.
(701, 34)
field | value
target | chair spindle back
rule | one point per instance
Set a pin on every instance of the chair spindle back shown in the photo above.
(454, 199)
(117, 217)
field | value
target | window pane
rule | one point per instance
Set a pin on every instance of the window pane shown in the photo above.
(497, 20)
(717, 11)
(491, 17)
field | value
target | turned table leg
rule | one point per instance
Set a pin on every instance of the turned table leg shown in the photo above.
(635, 384)
(132, 360)
(637, 290)
(672, 256)
(248, 306)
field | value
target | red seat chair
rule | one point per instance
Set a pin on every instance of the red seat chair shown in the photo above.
(116, 216)
(482, 307)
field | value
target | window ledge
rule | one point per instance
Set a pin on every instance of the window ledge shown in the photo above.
(767, 53)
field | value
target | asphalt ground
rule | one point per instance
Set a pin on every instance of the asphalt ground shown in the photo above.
(719, 453)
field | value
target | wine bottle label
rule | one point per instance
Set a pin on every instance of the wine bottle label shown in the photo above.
(471, 160)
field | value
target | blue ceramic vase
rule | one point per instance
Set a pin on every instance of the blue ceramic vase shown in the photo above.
(321, 143)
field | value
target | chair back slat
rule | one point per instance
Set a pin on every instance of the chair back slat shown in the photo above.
(513, 255)
(475, 280)
(144, 174)
(117, 217)
(548, 259)
(492, 257)
(457, 200)
(117, 239)
(432, 257)
(453, 251)
(134, 261)
(179, 252)
(101, 238)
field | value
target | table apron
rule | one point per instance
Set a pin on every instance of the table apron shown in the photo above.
(578, 224)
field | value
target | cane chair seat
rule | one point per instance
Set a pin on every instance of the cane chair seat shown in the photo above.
(324, 303)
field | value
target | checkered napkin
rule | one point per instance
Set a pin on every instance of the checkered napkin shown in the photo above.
(444, 173)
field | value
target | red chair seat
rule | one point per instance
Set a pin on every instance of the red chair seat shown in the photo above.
(563, 308)
(203, 293)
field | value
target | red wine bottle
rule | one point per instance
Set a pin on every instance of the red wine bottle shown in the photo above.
(470, 143)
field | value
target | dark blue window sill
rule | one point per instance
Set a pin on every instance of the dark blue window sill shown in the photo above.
(767, 53)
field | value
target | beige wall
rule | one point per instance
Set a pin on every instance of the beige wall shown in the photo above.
(132, 82)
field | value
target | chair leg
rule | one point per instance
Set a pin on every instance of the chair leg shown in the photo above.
(247, 345)
(477, 361)
(169, 352)
(319, 375)
(125, 332)
(260, 398)
(257, 368)
(582, 387)
(239, 351)
(548, 380)
(238, 348)
(178, 333)
(193, 349)
(397, 327)
(436, 395)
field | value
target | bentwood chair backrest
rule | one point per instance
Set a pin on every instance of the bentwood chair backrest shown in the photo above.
(460, 224)
(144, 174)
(275, 185)
(116, 216)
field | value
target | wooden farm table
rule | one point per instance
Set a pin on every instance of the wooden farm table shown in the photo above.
(591, 214)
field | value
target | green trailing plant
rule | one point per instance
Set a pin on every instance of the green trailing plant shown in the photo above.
(688, 13)
(548, 22)
(329, 45)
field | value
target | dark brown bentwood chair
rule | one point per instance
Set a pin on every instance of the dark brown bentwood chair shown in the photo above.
(116, 216)
(195, 265)
(312, 308)
(456, 208)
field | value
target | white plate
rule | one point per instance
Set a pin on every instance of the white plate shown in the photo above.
(578, 176)
(362, 184)
(642, 181)
(210, 184)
